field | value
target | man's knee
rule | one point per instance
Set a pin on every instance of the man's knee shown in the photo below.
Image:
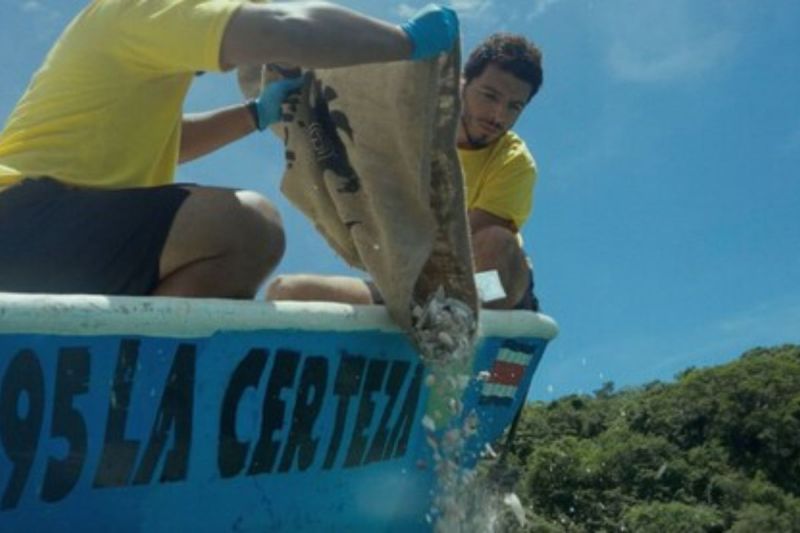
(497, 248)
(494, 245)
(259, 231)
(237, 237)
(282, 288)
(312, 287)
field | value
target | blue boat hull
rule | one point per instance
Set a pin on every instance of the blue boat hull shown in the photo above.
(171, 415)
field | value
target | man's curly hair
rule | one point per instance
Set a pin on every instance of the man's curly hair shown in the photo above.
(512, 53)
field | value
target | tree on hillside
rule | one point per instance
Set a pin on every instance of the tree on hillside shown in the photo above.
(717, 450)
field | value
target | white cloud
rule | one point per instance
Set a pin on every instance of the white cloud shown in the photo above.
(651, 41)
(540, 7)
(45, 19)
(769, 324)
(31, 5)
(40, 9)
(768, 321)
(405, 10)
(659, 353)
(471, 6)
(472, 9)
(630, 62)
(465, 8)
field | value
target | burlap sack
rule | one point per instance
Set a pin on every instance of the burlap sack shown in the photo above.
(371, 160)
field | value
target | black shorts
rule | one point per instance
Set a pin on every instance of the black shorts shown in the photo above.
(529, 300)
(62, 239)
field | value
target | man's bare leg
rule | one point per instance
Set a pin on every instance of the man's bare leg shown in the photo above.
(223, 243)
(312, 287)
(496, 248)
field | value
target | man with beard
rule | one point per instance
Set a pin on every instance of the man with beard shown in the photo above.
(500, 77)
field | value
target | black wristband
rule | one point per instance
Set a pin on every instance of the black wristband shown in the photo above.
(252, 106)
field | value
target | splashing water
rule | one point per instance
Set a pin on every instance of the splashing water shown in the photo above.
(463, 502)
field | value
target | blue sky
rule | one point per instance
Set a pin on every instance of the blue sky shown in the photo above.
(666, 229)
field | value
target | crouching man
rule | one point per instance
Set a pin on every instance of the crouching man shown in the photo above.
(500, 78)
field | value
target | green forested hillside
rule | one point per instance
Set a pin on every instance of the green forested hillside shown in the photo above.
(717, 450)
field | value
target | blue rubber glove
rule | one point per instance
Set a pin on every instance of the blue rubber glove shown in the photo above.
(269, 102)
(432, 30)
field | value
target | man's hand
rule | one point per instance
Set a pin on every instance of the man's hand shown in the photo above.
(432, 30)
(269, 102)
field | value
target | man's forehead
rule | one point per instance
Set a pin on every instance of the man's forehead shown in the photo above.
(503, 82)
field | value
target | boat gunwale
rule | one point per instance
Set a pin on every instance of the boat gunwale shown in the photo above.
(150, 316)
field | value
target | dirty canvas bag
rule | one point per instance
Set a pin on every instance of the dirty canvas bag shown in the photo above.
(371, 160)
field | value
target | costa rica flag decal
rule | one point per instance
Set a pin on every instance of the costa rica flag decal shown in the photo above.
(507, 373)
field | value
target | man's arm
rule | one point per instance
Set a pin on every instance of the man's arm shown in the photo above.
(480, 219)
(309, 34)
(202, 133)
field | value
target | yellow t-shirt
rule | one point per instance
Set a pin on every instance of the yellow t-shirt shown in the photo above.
(500, 178)
(105, 108)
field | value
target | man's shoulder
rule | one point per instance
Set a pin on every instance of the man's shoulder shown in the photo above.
(511, 141)
(513, 147)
